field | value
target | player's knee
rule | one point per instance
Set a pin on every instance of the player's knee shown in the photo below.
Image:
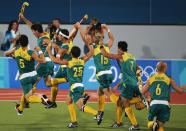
(149, 125)
(69, 100)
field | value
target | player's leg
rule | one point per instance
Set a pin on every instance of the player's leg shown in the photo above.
(101, 99)
(119, 112)
(72, 112)
(126, 94)
(78, 99)
(107, 91)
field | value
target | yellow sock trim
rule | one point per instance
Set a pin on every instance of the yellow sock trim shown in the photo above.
(54, 91)
(135, 100)
(83, 94)
(90, 110)
(57, 81)
(131, 116)
(149, 125)
(23, 101)
(72, 112)
(34, 89)
(101, 102)
(114, 98)
(118, 114)
(34, 99)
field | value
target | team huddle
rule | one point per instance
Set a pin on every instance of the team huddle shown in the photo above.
(55, 45)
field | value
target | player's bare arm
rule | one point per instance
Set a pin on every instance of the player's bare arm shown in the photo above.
(54, 59)
(40, 59)
(62, 52)
(109, 55)
(29, 23)
(89, 55)
(144, 89)
(73, 33)
(9, 53)
(84, 37)
(176, 87)
(110, 35)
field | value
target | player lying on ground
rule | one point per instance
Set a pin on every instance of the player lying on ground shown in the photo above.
(25, 59)
(75, 68)
(103, 67)
(159, 87)
(129, 81)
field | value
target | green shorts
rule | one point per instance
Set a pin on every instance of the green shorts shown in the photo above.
(128, 91)
(76, 93)
(161, 111)
(61, 73)
(43, 70)
(105, 80)
(27, 83)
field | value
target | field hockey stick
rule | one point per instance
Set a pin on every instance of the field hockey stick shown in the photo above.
(22, 10)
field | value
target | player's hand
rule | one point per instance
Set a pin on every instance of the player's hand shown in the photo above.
(140, 83)
(21, 15)
(37, 48)
(104, 26)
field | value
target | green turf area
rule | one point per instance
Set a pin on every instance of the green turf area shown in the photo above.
(37, 118)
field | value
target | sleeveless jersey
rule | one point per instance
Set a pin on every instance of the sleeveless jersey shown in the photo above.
(160, 87)
(102, 63)
(75, 70)
(40, 41)
(24, 60)
(128, 69)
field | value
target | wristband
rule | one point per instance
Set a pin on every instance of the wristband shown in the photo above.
(101, 47)
(58, 55)
(40, 52)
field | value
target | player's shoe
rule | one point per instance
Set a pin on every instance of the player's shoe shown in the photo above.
(52, 105)
(155, 125)
(100, 117)
(145, 101)
(27, 105)
(18, 111)
(72, 125)
(85, 98)
(115, 125)
(134, 128)
(45, 100)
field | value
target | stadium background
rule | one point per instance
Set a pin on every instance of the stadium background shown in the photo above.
(154, 29)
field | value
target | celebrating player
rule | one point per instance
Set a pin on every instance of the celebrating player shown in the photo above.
(75, 68)
(103, 65)
(159, 87)
(28, 76)
(129, 81)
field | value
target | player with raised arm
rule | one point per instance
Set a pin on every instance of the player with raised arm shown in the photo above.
(103, 66)
(75, 68)
(159, 86)
(25, 59)
(129, 81)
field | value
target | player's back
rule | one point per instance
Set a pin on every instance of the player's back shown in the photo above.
(68, 47)
(160, 87)
(24, 60)
(128, 69)
(41, 45)
(75, 70)
(102, 63)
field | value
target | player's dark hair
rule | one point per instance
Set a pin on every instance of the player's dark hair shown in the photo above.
(76, 51)
(57, 20)
(123, 45)
(65, 32)
(37, 27)
(23, 40)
